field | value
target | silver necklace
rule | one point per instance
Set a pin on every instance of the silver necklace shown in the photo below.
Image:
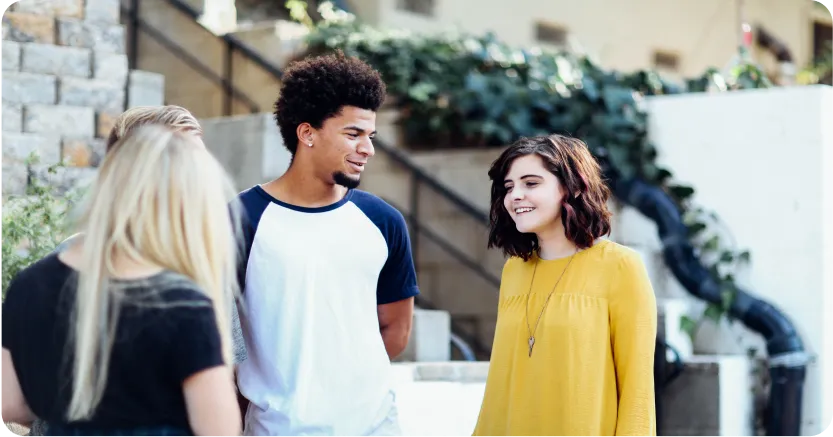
(528, 328)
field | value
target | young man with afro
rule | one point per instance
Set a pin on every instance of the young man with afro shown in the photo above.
(328, 277)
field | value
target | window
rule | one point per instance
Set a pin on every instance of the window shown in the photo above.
(422, 7)
(551, 34)
(666, 61)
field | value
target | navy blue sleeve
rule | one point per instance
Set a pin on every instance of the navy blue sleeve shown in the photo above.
(397, 280)
(250, 205)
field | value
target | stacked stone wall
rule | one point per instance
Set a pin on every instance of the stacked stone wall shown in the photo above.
(65, 80)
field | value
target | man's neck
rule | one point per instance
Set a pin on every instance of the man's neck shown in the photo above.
(302, 188)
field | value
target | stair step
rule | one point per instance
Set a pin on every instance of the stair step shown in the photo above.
(277, 41)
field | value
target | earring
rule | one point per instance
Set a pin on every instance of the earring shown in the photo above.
(310, 144)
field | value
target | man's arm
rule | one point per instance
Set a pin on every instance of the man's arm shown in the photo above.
(395, 320)
(397, 286)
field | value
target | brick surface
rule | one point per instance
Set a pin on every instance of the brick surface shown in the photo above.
(11, 56)
(56, 60)
(110, 66)
(17, 148)
(15, 178)
(102, 11)
(145, 89)
(69, 121)
(12, 117)
(104, 123)
(86, 152)
(29, 88)
(52, 8)
(100, 95)
(76, 33)
(23, 27)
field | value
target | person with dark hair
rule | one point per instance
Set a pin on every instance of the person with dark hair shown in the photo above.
(328, 278)
(573, 351)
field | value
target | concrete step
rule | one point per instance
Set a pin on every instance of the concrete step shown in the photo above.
(277, 41)
(712, 396)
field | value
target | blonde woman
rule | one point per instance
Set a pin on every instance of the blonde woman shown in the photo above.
(126, 332)
(177, 119)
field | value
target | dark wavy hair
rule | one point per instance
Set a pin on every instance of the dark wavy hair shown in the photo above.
(584, 210)
(316, 88)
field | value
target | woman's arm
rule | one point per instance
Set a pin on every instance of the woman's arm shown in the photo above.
(211, 401)
(195, 352)
(15, 408)
(633, 323)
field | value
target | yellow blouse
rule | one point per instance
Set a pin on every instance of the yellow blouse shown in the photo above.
(591, 369)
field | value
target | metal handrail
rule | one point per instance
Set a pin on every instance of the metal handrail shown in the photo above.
(451, 250)
(463, 347)
(191, 60)
(232, 40)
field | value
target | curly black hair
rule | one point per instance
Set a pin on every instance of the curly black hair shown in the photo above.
(316, 88)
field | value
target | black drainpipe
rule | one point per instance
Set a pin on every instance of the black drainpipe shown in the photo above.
(787, 357)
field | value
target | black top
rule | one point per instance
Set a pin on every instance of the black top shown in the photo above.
(166, 332)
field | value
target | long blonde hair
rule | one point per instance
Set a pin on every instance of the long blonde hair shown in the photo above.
(162, 199)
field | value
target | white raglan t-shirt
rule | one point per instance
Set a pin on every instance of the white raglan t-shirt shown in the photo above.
(312, 278)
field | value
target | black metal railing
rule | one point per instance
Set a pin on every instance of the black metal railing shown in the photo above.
(137, 25)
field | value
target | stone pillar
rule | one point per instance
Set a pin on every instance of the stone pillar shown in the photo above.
(220, 16)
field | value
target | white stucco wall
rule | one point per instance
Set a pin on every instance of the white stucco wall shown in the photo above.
(756, 158)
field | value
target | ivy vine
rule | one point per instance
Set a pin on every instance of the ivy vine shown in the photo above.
(460, 90)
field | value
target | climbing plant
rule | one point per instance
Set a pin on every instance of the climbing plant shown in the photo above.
(461, 90)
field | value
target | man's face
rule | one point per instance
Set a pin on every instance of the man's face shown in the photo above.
(344, 144)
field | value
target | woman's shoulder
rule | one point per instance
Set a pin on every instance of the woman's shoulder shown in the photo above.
(168, 287)
(615, 256)
(45, 274)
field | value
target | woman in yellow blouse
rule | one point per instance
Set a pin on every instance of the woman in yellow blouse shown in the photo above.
(573, 351)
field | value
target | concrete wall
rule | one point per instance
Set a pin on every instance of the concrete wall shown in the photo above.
(703, 33)
(249, 147)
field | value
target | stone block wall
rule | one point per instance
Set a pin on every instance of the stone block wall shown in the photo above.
(65, 80)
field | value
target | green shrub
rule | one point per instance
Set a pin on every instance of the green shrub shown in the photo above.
(33, 225)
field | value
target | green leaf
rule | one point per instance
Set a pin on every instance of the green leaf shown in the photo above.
(681, 192)
(744, 256)
(688, 326)
(696, 228)
(727, 297)
(713, 312)
(712, 243)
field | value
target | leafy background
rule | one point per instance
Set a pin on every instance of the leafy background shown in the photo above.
(456, 90)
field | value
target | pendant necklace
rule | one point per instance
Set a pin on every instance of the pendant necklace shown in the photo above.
(529, 329)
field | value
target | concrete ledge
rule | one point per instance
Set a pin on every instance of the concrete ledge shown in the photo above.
(713, 396)
(430, 337)
(449, 371)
